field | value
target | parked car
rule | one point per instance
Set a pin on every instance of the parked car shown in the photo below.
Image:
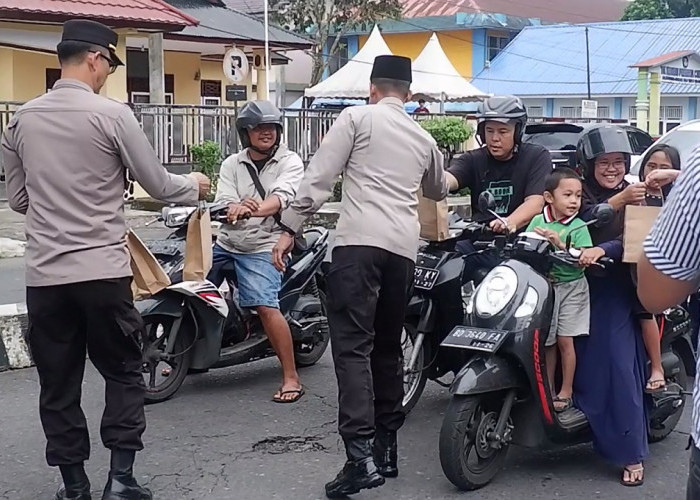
(685, 138)
(560, 139)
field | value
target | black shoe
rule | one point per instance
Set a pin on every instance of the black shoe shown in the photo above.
(121, 484)
(356, 475)
(76, 485)
(385, 452)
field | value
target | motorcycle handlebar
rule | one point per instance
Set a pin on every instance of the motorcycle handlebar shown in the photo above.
(564, 257)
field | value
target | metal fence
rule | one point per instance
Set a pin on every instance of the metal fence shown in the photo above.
(174, 129)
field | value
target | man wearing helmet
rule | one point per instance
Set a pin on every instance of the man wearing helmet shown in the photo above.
(511, 171)
(259, 182)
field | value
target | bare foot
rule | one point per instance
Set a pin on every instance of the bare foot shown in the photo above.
(633, 475)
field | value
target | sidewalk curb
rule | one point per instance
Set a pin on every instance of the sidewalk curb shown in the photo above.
(14, 351)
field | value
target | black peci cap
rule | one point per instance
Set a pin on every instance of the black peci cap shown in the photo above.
(392, 67)
(92, 32)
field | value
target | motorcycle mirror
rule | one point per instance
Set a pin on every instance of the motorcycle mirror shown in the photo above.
(487, 202)
(603, 214)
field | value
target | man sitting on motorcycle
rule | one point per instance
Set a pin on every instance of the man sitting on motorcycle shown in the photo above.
(258, 183)
(512, 171)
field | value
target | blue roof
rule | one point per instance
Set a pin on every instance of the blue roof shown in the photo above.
(551, 60)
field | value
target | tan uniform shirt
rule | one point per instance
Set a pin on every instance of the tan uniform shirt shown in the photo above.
(385, 157)
(280, 176)
(65, 155)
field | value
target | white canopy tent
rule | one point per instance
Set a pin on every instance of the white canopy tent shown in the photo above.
(352, 80)
(435, 79)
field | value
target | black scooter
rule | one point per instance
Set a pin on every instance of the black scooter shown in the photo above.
(437, 305)
(502, 396)
(191, 327)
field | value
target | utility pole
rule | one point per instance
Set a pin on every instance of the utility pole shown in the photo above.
(588, 65)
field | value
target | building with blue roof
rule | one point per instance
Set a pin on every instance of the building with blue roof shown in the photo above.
(546, 67)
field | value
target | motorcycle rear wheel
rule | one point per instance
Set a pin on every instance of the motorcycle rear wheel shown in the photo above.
(157, 333)
(658, 431)
(310, 358)
(467, 422)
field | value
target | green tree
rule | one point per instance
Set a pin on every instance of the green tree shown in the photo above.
(328, 21)
(661, 9)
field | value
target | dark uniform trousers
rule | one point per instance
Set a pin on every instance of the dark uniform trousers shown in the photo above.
(64, 321)
(368, 291)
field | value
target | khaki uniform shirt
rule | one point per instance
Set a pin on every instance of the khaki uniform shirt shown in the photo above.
(65, 155)
(385, 157)
(280, 176)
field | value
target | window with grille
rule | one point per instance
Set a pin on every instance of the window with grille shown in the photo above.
(671, 112)
(603, 112)
(535, 111)
(570, 112)
(495, 45)
(210, 88)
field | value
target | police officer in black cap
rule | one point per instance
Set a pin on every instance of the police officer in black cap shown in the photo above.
(65, 155)
(385, 158)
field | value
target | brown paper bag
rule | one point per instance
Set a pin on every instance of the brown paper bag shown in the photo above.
(198, 248)
(149, 276)
(432, 216)
(638, 223)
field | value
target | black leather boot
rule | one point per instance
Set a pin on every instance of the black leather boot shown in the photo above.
(121, 484)
(385, 451)
(76, 485)
(359, 472)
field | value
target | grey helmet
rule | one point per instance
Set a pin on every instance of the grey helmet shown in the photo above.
(256, 113)
(503, 109)
(601, 140)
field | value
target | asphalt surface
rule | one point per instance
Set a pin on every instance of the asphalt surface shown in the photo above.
(221, 437)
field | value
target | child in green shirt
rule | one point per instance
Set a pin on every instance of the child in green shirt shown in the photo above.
(570, 318)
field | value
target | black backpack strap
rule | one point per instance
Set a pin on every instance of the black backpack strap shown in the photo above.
(261, 191)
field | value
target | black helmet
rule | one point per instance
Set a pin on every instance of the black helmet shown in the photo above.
(504, 109)
(599, 141)
(256, 113)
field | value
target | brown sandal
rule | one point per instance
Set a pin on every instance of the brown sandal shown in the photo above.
(279, 397)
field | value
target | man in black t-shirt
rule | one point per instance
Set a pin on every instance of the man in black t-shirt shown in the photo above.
(513, 172)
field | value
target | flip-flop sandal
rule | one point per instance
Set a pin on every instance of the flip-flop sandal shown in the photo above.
(658, 389)
(632, 473)
(279, 397)
(568, 403)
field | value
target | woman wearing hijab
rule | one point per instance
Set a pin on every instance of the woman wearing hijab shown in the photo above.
(610, 374)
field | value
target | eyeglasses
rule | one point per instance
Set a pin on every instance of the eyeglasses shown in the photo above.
(112, 64)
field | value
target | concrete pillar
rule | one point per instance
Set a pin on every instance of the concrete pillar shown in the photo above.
(262, 75)
(115, 88)
(654, 103)
(642, 99)
(156, 75)
(7, 70)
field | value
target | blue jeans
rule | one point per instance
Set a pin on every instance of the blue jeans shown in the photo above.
(258, 282)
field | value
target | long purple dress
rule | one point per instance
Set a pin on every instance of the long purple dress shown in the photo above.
(611, 361)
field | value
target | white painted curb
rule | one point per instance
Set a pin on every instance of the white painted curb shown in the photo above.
(14, 351)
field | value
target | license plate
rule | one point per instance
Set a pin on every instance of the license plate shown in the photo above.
(424, 278)
(476, 339)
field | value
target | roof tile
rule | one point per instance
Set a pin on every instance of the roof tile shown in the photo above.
(137, 11)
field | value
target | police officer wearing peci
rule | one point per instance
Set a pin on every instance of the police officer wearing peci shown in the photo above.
(385, 157)
(65, 156)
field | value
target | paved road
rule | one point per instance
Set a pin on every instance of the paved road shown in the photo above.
(222, 438)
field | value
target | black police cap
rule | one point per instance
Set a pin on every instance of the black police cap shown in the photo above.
(392, 67)
(94, 33)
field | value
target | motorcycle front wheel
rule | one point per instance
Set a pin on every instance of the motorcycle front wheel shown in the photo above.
(659, 430)
(163, 374)
(414, 380)
(466, 455)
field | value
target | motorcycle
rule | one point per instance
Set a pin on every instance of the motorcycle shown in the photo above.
(501, 396)
(437, 305)
(195, 326)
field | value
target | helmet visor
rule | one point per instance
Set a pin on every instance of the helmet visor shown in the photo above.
(605, 140)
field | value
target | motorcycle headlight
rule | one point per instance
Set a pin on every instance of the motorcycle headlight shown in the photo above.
(494, 293)
(529, 303)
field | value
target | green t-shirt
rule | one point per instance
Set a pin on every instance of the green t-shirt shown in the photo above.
(580, 239)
